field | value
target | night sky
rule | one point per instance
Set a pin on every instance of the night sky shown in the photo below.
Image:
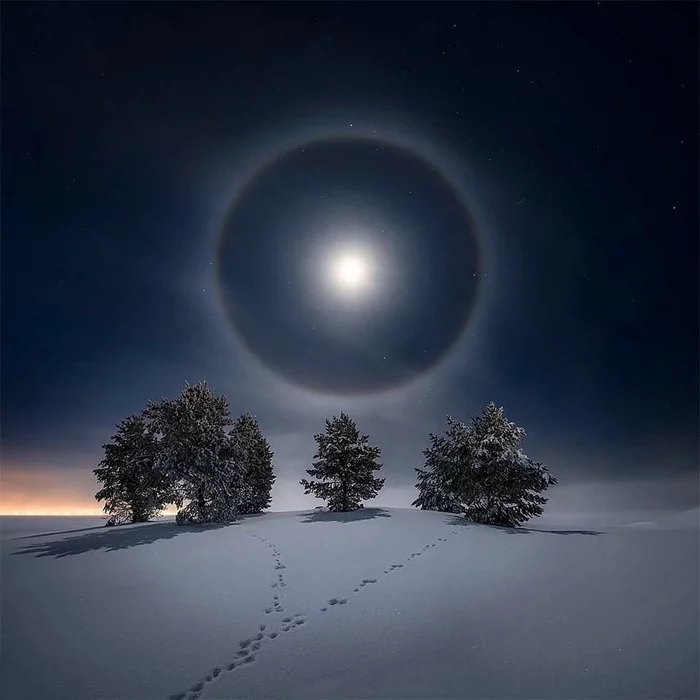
(520, 182)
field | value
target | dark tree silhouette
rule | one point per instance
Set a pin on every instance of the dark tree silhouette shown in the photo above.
(196, 454)
(132, 487)
(254, 456)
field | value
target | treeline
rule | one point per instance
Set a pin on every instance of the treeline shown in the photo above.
(188, 452)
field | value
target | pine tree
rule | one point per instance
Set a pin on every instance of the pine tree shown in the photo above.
(132, 488)
(479, 470)
(343, 467)
(438, 484)
(196, 454)
(254, 456)
(507, 483)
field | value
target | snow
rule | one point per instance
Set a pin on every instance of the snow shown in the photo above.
(379, 603)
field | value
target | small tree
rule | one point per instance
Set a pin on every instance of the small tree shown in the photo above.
(254, 456)
(197, 455)
(132, 489)
(344, 466)
(480, 471)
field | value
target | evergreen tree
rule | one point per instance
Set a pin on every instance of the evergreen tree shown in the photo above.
(507, 484)
(438, 484)
(132, 488)
(254, 456)
(479, 470)
(197, 455)
(343, 467)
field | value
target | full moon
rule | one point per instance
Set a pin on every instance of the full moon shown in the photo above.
(350, 272)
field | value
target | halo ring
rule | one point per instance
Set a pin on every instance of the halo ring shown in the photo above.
(410, 146)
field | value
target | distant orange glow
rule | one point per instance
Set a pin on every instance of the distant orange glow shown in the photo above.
(49, 491)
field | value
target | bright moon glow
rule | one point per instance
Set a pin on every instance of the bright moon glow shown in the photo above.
(350, 272)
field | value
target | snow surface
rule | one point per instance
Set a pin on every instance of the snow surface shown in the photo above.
(381, 603)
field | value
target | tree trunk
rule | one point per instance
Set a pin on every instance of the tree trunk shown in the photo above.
(201, 505)
(138, 514)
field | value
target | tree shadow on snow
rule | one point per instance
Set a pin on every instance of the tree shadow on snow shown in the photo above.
(113, 539)
(525, 530)
(349, 517)
(461, 520)
(60, 532)
(99, 528)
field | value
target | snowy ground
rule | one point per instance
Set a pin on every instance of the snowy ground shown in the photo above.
(383, 603)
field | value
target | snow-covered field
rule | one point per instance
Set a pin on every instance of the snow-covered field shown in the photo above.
(381, 603)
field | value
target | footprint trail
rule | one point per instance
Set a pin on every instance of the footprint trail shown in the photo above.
(249, 648)
(389, 570)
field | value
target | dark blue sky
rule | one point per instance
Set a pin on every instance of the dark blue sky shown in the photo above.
(526, 175)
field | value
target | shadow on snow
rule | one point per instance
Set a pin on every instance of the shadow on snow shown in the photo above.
(519, 530)
(61, 532)
(113, 539)
(348, 517)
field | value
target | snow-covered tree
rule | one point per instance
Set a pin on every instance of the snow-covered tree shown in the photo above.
(479, 470)
(254, 457)
(439, 483)
(197, 455)
(132, 487)
(344, 466)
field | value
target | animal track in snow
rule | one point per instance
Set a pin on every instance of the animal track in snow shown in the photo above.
(334, 601)
(249, 648)
(279, 567)
(392, 567)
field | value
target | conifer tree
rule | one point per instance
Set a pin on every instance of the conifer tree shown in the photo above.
(507, 484)
(438, 484)
(344, 466)
(479, 470)
(132, 487)
(197, 455)
(254, 457)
